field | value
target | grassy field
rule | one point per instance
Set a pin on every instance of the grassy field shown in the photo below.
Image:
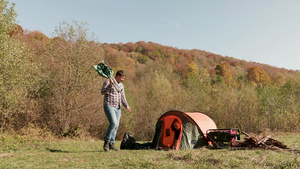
(20, 152)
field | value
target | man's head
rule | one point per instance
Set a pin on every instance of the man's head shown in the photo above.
(120, 76)
(175, 125)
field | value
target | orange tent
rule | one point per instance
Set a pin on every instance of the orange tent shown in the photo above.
(182, 130)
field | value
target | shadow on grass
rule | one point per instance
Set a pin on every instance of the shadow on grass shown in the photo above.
(62, 151)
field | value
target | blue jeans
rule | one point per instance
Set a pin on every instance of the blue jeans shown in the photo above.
(113, 115)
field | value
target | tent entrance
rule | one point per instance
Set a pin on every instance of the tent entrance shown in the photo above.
(171, 131)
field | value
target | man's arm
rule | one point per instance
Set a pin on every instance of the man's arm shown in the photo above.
(124, 101)
(106, 87)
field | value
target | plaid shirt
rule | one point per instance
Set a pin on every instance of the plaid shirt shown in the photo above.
(112, 97)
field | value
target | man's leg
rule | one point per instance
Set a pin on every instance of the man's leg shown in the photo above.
(114, 132)
(117, 115)
(113, 115)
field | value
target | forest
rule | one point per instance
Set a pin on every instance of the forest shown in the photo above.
(48, 83)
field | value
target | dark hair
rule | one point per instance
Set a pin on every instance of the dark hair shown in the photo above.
(120, 73)
(172, 126)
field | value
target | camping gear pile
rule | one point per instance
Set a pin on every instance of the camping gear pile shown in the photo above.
(129, 143)
(198, 130)
(260, 142)
(222, 138)
(230, 138)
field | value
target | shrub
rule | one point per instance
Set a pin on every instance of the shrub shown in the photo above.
(16, 71)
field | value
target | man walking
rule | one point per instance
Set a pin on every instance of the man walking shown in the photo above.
(113, 99)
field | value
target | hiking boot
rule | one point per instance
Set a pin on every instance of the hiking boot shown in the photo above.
(111, 147)
(106, 146)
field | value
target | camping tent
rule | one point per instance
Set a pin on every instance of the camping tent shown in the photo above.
(191, 133)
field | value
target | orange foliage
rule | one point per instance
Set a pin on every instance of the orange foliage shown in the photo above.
(224, 69)
(181, 60)
(57, 39)
(234, 63)
(17, 30)
(192, 69)
(188, 55)
(258, 75)
(31, 38)
(131, 46)
(129, 67)
(172, 61)
(185, 61)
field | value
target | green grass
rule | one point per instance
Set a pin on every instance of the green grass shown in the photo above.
(20, 152)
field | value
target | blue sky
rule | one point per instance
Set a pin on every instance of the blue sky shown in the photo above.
(263, 31)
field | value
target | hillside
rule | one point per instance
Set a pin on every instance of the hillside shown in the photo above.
(182, 61)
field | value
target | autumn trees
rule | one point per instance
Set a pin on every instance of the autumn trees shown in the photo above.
(16, 72)
(257, 75)
(49, 82)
